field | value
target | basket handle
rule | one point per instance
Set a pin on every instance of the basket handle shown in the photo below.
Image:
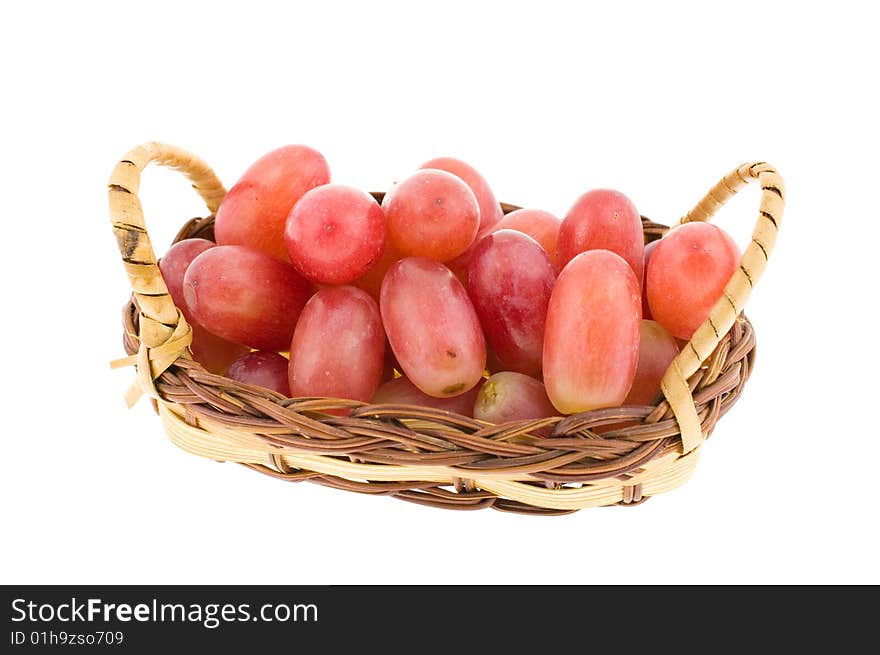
(164, 333)
(725, 312)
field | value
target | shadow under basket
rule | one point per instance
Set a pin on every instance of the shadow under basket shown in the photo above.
(620, 455)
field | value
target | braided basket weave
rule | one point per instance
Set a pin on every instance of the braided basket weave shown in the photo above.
(430, 456)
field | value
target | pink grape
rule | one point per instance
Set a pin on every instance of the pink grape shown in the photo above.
(432, 327)
(338, 348)
(657, 349)
(490, 209)
(400, 391)
(255, 210)
(245, 296)
(261, 369)
(509, 396)
(542, 226)
(335, 234)
(687, 274)
(591, 339)
(603, 219)
(212, 352)
(510, 279)
(431, 214)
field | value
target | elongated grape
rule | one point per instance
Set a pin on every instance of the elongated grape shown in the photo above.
(255, 210)
(338, 348)
(263, 369)
(431, 214)
(509, 396)
(657, 349)
(211, 351)
(432, 327)
(603, 219)
(591, 339)
(401, 391)
(510, 279)
(335, 234)
(542, 226)
(687, 274)
(490, 209)
(246, 296)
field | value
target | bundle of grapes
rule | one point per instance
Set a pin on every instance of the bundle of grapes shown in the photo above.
(432, 344)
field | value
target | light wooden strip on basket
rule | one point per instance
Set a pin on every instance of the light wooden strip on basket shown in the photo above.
(661, 474)
(596, 495)
(736, 293)
(158, 315)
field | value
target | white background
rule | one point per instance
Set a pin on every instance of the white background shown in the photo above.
(548, 100)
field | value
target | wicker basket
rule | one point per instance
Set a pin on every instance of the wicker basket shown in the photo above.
(429, 456)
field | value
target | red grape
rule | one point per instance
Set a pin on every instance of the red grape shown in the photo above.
(657, 349)
(432, 327)
(334, 234)
(490, 209)
(400, 391)
(262, 369)
(542, 226)
(603, 220)
(255, 210)
(687, 275)
(591, 339)
(646, 308)
(245, 296)
(510, 279)
(509, 396)
(212, 352)
(431, 214)
(338, 348)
